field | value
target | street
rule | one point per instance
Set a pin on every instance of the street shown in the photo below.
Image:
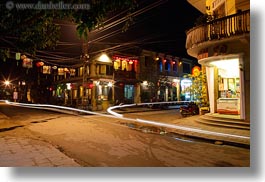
(93, 140)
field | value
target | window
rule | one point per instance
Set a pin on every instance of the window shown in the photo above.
(175, 66)
(102, 69)
(105, 69)
(109, 70)
(186, 68)
(80, 71)
(146, 61)
(167, 65)
(160, 65)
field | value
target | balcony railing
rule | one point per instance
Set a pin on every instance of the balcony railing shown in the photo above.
(225, 27)
(124, 74)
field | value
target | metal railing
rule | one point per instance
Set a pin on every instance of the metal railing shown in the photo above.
(233, 25)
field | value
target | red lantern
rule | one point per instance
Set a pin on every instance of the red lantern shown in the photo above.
(39, 64)
(90, 85)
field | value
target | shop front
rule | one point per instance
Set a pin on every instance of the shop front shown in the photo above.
(225, 80)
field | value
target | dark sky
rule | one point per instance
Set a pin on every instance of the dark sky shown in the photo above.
(161, 29)
(165, 26)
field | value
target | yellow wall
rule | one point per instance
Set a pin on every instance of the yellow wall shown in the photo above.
(231, 6)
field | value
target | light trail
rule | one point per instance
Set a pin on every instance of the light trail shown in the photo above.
(117, 115)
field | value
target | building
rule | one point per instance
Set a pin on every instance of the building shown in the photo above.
(162, 76)
(221, 43)
(113, 78)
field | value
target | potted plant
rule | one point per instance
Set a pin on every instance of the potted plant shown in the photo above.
(111, 103)
(99, 105)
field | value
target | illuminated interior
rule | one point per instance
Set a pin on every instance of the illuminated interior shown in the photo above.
(228, 101)
(228, 78)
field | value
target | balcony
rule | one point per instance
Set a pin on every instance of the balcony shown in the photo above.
(218, 29)
(118, 74)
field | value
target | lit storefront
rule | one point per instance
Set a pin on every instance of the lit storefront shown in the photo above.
(185, 83)
(225, 84)
(104, 89)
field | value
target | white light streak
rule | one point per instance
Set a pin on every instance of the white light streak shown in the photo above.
(117, 115)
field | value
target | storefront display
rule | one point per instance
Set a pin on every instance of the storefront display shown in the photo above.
(228, 101)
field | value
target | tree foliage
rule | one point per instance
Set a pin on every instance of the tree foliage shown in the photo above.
(198, 89)
(29, 30)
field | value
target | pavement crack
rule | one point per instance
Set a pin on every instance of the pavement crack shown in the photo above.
(10, 128)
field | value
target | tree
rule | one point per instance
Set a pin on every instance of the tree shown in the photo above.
(198, 89)
(28, 30)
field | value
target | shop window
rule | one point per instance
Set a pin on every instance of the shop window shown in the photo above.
(228, 78)
(129, 93)
(103, 91)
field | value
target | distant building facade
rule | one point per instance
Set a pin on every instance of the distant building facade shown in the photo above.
(113, 78)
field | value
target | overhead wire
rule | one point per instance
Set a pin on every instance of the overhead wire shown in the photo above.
(55, 58)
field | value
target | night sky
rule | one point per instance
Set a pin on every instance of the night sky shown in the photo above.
(161, 29)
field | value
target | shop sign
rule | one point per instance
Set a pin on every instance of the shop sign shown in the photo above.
(219, 50)
(203, 54)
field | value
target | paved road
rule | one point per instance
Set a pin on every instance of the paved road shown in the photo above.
(100, 141)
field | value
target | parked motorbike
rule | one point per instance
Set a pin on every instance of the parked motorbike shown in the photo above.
(190, 109)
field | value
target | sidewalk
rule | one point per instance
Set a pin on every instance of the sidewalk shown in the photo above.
(25, 152)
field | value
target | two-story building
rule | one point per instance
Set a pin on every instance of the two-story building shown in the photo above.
(162, 76)
(113, 78)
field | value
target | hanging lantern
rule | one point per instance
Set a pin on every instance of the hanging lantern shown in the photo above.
(18, 56)
(72, 72)
(27, 63)
(66, 70)
(39, 64)
(130, 62)
(46, 70)
(60, 71)
(54, 67)
(23, 57)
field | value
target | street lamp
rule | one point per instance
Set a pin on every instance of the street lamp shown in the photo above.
(7, 83)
